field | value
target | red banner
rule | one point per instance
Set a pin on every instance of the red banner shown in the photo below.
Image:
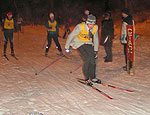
(130, 43)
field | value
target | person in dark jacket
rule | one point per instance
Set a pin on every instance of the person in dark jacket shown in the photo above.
(8, 27)
(52, 32)
(67, 27)
(85, 15)
(107, 34)
(126, 20)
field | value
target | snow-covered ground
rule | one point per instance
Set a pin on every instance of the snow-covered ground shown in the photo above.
(55, 91)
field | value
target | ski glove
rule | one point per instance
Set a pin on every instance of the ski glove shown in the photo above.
(67, 50)
(123, 40)
(136, 36)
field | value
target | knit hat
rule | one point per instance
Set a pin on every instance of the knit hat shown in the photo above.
(9, 14)
(91, 19)
(126, 11)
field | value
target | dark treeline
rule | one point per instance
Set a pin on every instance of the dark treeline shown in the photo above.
(36, 11)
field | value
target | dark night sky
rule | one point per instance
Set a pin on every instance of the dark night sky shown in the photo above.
(39, 9)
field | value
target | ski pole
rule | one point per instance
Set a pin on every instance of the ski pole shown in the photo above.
(44, 44)
(76, 69)
(51, 63)
(18, 38)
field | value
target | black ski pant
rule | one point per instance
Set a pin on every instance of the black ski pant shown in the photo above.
(88, 55)
(55, 38)
(125, 53)
(8, 35)
(108, 51)
(19, 27)
(66, 31)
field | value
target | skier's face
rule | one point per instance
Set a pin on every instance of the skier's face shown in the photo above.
(124, 15)
(86, 12)
(9, 17)
(90, 26)
(52, 17)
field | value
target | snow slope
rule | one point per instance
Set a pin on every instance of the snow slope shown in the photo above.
(55, 91)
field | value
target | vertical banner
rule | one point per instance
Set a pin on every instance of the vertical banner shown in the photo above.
(130, 43)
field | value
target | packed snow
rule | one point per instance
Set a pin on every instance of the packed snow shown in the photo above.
(55, 91)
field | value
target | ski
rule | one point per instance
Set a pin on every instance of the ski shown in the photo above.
(6, 57)
(15, 57)
(65, 56)
(110, 86)
(96, 89)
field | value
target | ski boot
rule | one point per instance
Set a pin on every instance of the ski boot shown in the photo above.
(61, 54)
(46, 54)
(4, 54)
(89, 83)
(124, 68)
(12, 54)
(95, 80)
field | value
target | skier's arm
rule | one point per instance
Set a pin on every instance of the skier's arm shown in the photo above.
(96, 40)
(123, 33)
(15, 26)
(57, 29)
(2, 24)
(47, 25)
(72, 35)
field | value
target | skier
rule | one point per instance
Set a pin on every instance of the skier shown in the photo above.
(127, 20)
(107, 33)
(85, 38)
(52, 32)
(8, 27)
(67, 27)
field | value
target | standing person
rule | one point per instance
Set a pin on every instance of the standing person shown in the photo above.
(107, 33)
(67, 27)
(8, 27)
(85, 39)
(52, 32)
(19, 22)
(127, 20)
(85, 15)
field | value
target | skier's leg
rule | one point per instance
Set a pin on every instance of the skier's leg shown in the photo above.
(5, 42)
(55, 38)
(11, 43)
(109, 53)
(49, 39)
(125, 54)
(86, 60)
(64, 34)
